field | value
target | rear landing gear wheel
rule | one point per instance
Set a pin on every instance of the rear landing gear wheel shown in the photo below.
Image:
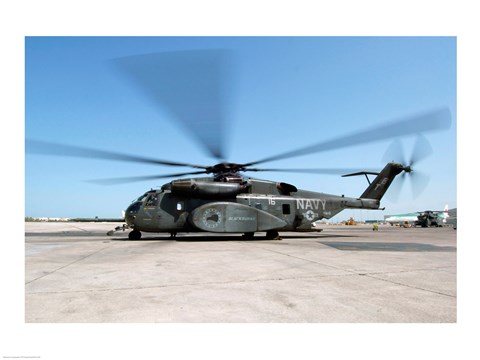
(134, 235)
(273, 235)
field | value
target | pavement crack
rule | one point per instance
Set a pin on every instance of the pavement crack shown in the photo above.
(371, 274)
(67, 265)
(189, 284)
(410, 286)
(311, 261)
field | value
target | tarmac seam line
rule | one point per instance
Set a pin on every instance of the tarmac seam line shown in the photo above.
(370, 275)
(66, 265)
(311, 261)
(409, 286)
(191, 284)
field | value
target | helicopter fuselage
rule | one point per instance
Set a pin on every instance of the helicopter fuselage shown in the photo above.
(242, 206)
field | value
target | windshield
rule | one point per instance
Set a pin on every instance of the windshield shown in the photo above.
(141, 198)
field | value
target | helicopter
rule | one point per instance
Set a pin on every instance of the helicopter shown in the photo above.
(226, 201)
(426, 218)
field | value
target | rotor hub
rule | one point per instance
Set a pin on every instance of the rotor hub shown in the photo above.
(407, 169)
(225, 168)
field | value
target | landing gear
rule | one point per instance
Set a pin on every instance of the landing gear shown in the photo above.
(134, 235)
(173, 234)
(273, 235)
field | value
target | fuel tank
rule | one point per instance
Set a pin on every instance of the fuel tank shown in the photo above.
(225, 217)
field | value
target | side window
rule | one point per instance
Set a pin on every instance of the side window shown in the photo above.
(286, 209)
(180, 206)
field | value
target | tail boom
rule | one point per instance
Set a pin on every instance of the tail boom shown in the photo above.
(384, 179)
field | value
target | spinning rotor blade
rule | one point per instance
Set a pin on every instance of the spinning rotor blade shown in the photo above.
(439, 119)
(419, 181)
(191, 85)
(326, 171)
(421, 150)
(130, 179)
(49, 148)
(395, 152)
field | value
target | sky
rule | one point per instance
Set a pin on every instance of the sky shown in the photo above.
(281, 94)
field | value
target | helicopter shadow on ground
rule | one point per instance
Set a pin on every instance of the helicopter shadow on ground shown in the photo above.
(206, 238)
(387, 246)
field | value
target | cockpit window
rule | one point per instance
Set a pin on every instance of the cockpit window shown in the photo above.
(142, 197)
(145, 196)
(152, 200)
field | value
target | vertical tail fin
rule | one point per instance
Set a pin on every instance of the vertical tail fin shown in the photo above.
(382, 181)
(445, 214)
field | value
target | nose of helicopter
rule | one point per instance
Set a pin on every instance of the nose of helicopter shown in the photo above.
(130, 219)
(131, 212)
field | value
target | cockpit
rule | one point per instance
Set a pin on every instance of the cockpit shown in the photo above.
(150, 198)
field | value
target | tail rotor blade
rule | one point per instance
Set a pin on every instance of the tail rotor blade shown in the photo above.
(394, 152)
(419, 182)
(422, 149)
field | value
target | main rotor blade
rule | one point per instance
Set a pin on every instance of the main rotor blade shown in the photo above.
(191, 85)
(130, 179)
(326, 171)
(434, 120)
(56, 149)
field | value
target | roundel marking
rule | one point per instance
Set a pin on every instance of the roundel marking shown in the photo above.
(211, 218)
(310, 215)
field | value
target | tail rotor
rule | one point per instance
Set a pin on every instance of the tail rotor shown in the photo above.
(419, 181)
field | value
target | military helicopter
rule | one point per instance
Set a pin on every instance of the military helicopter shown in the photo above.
(226, 201)
(426, 218)
(430, 218)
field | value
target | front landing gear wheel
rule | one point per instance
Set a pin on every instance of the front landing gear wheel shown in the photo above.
(134, 235)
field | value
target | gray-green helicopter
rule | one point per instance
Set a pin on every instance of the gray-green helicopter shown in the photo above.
(229, 203)
(226, 201)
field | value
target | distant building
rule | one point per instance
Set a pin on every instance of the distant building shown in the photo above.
(45, 219)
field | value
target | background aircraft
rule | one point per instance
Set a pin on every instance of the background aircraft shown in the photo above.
(425, 218)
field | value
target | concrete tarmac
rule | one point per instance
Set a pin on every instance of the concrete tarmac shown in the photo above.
(75, 273)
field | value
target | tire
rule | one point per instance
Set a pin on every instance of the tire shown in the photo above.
(134, 235)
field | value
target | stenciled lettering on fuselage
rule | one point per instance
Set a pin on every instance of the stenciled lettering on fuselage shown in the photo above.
(381, 184)
(310, 205)
(241, 218)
